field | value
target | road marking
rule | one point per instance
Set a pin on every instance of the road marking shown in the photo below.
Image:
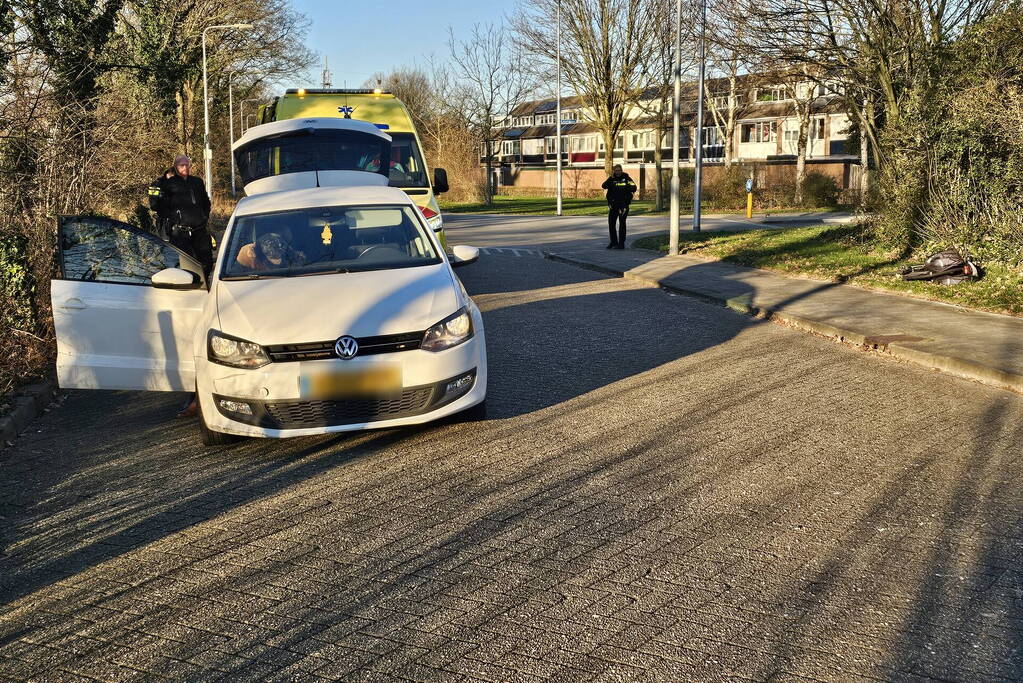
(512, 251)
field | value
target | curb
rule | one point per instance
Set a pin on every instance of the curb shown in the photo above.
(957, 367)
(26, 405)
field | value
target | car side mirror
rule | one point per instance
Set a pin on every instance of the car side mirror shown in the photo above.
(176, 278)
(463, 255)
(440, 181)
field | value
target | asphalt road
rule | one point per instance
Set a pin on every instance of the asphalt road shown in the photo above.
(494, 230)
(664, 490)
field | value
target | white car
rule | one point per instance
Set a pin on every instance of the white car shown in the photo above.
(329, 309)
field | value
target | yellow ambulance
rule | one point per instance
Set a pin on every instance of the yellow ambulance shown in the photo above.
(408, 169)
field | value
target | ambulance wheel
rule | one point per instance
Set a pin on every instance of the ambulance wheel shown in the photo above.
(212, 438)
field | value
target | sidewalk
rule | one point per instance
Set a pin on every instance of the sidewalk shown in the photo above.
(985, 347)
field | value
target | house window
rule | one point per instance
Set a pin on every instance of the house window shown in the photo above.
(774, 93)
(762, 131)
(711, 138)
(814, 132)
(511, 148)
(643, 140)
(583, 144)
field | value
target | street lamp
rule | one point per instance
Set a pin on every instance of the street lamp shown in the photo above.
(207, 152)
(698, 172)
(676, 107)
(241, 112)
(230, 111)
(558, 115)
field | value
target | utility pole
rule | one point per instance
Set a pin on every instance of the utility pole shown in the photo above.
(230, 118)
(206, 151)
(558, 115)
(698, 174)
(676, 107)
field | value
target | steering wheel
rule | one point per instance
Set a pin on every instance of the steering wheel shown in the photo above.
(383, 250)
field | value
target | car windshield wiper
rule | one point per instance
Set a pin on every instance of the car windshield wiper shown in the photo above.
(252, 276)
(325, 271)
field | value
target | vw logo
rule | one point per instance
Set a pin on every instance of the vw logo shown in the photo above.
(346, 347)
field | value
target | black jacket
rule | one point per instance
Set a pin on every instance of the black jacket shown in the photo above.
(619, 190)
(180, 200)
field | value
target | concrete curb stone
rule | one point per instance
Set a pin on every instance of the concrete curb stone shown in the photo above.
(28, 404)
(959, 367)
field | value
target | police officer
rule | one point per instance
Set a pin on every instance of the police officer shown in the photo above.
(182, 211)
(620, 189)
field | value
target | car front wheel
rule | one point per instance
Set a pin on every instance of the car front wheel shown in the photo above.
(213, 438)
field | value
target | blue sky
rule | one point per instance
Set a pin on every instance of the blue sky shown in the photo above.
(361, 38)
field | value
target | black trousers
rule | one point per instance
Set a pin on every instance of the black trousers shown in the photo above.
(617, 214)
(196, 243)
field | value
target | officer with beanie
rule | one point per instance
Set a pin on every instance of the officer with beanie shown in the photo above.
(182, 210)
(620, 189)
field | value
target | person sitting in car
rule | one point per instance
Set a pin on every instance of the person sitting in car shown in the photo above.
(271, 250)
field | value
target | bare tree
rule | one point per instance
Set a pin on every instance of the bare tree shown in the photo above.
(434, 102)
(885, 55)
(734, 64)
(493, 78)
(605, 54)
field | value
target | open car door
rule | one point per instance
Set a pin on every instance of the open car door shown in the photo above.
(114, 329)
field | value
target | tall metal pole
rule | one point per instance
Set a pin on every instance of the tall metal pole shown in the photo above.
(206, 151)
(676, 107)
(230, 118)
(241, 113)
(558, 115)
(698, 174)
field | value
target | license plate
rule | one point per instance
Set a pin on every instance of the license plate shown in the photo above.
(377, 380)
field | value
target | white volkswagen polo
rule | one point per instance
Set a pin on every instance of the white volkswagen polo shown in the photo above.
(329, 309)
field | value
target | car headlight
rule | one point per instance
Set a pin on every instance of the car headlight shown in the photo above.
(237, 353)
(449, 332)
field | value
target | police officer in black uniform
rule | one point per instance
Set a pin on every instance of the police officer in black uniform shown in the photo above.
(620, 189)
(182, 211)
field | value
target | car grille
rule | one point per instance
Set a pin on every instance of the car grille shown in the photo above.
(368, 346)
(299, 414)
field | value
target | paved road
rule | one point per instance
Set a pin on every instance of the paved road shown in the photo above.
(664, 491)
(493, 230)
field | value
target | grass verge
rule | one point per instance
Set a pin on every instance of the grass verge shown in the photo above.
(839, 254)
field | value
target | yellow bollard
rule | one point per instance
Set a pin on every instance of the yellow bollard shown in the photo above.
(749, 205)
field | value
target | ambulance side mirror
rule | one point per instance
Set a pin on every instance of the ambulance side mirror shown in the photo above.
(440, 181)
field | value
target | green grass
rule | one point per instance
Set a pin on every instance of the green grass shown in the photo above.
(545, 206)
(838, 254)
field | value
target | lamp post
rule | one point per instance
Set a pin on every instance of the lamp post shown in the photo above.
(676, 107)
(558, 115)
(241, 112)
(207, 152)
(230, 118)
(698, 171)
(230, 111)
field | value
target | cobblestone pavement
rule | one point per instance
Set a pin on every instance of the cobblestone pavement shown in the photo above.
(664, 491)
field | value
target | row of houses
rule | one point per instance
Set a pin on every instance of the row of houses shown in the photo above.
(766, 131)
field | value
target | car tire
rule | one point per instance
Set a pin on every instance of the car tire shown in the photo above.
(212, 438)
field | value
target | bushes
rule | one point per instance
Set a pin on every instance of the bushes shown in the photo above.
(819, 190)
(19, 345)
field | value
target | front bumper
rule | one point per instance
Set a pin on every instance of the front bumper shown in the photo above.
(309, 413)
(279, 410)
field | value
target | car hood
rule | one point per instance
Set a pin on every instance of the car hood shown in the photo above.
(294, 310)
